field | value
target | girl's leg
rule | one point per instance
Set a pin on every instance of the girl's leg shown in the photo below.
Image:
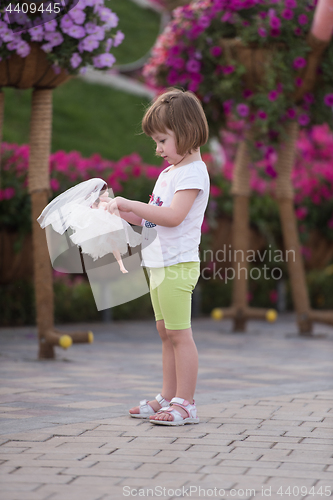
(169, 368)
(186, 364)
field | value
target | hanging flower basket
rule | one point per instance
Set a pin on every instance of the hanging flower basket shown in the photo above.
(252, 61)
(34, 70)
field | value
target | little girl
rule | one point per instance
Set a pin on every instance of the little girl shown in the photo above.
(177, 124)
(83, 208)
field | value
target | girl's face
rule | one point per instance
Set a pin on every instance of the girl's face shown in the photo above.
(166, 146)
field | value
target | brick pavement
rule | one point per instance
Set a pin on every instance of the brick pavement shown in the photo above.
(265, 400)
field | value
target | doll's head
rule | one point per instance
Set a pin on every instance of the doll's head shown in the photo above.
(182, 113)
(103, 195)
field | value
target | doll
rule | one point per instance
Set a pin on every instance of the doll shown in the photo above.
(83, 209)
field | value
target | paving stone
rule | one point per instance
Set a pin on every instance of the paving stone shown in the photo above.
(266, 416)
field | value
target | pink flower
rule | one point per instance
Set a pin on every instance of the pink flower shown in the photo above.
(298, 82)
(262, 32)
(275, 32)
(328, 99)
(205, 226)
(298, 31)
(291, 113)
(193, 66)
(271, 171)
(303, 19)
(275, 22)
(215, 51)
(291, 4)
(7, 193)
(301, 212)
(228, 69)
(304, 119)
(299, 63)
(287, 14)
(215, 190)
(262, 114)
(273, 296)
(242, 110)
(54, 183)
(273, 95)
(247, 93)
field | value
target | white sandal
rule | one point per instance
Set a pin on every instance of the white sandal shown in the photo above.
(145, 410)
(178, 419)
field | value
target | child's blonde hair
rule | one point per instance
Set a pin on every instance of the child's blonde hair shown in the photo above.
(181, 112)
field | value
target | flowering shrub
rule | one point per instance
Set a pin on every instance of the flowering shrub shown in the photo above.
(132, 178)
(312, 179)
(83, 36)
(191, 53)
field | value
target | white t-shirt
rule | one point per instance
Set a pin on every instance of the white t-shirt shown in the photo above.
(165, 246)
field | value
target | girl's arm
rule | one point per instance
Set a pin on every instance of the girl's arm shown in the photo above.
(163, 216)
(130, 217)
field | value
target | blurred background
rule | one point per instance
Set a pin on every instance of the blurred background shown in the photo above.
(97, 130)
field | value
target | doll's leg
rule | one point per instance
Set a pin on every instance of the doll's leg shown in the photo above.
(117, 255)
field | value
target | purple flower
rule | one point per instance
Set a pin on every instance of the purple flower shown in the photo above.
(55, 38)
(298, 31)
(275, 22)
(75, 60)
(178, 63)
(66, 23)
(287, 14)
(77, 15)
(275, 32)
(90, 43)
(215, 51)
(291, 4)
(108, 44)
(119, 37)
(90, 28)
(291, 113)
(273, 95)
(271, 171)
(328, 99)
(262, 32)
(104, 61)
(51, 25)
(56, 69)
(109, 17)
(303, 19)
(247, 93)
(227, 70)
(193, 66)
(303, 119)
(262, 114)
(76, 31)
(299, 63)
(298, 82)
(47, 47)
(36, 33)
(20, 18)
(242, 110)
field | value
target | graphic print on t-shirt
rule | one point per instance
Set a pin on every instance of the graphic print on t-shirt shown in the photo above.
(153, 201)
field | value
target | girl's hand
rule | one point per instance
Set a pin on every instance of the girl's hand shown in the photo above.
(119, 203)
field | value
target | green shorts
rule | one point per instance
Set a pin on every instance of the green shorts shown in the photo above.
(171, 293)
